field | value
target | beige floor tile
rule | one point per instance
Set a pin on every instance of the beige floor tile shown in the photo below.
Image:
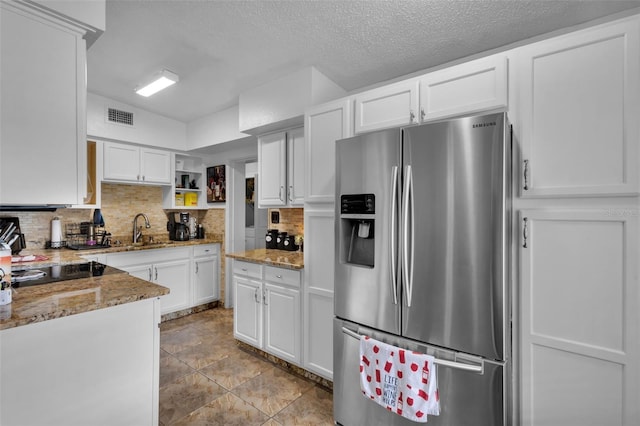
(172, 369)
(272, 391)
(180, 338)
(234, 370)
(228, 410)
(314, 407)
(271, 422)
(205, 353)
(186, 394)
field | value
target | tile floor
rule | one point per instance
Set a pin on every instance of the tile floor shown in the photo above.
(205, 379)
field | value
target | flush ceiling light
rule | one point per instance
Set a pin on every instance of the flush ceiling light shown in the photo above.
(161, 81)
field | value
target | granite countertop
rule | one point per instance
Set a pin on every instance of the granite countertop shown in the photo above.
(39, 303)
(280, 258)
(55, 300)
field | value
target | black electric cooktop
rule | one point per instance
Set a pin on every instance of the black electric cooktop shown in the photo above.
(51, 274)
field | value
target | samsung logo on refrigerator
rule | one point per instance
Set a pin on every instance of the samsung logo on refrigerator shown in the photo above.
(491, 123)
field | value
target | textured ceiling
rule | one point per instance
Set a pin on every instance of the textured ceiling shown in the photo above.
(222, 48)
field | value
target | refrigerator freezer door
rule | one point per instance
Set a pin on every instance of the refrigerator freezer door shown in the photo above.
(456, 229)
(368, 164)
(466, 398)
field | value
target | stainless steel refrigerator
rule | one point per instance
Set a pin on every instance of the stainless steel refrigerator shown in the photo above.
(422, 231)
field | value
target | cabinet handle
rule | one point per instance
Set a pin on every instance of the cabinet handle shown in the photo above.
(255, 295)
(197, 268)
(156, 269)
(412, 116)
(264, 297)
(137, 177)
(280, 193)
(290, 192)
(279, 276)
(150, 274)
(526, 175)
(422, 113)
(525, 231)
(143, 177)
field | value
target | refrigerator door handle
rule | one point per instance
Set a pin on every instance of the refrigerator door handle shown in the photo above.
(407, 232)
(394, 208)
(471, 368)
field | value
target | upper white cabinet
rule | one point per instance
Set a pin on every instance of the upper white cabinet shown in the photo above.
(129, 163)
(281, 173)
(180, 195)
(42, 104)
(579, 320)
(473, 86)
(388, 106)
(579, 103)
(324, 125)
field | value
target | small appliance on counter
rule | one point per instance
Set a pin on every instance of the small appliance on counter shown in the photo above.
(178, 226)
(10, 234)
(271, 239)
(280, 240)
(289, 243)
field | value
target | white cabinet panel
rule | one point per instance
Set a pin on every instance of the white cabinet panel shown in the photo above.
(272, 170)
(129, 163)
(247, 314)
(467, 88)
(580, 103)
(176, 276)
(318, 335)
(388, 106)
(206, 287)
(319, 249)
(295, 167)
(579, 302)
(155, 165)
(42, 109)
(324, 125)
(282, 322)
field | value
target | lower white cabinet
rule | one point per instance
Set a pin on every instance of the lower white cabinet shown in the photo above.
(268, 314)
(579, 320)
(190, 273)
(206, 286)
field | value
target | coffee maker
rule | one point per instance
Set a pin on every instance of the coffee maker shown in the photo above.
(178, 226)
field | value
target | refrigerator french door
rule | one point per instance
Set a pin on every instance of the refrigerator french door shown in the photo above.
(422, 258)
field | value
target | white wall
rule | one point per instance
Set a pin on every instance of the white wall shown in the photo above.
(214, 129)
(148, 128)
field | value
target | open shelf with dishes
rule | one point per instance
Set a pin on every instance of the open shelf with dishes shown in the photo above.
(189, 187)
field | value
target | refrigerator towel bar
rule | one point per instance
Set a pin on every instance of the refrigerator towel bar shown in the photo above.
(445, 363)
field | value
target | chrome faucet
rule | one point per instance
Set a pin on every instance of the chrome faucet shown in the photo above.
(137, 231)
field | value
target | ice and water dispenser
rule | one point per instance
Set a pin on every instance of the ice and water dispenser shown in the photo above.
(357, 229)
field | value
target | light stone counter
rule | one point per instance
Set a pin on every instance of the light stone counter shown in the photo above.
(280, 258)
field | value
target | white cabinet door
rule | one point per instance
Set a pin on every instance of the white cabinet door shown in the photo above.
(174, 275)
(323, 125)
(247, 314)
(144, 272)
(272, 170)
(282, 322)
(388, 106)
(155, 166)
(205, 282)
(295, 167)
(579, 101)
(42, 110)
(121, 162)
(579, 329)
(471, 87)
(319, 249)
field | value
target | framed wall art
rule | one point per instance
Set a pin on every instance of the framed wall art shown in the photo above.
(216, 184)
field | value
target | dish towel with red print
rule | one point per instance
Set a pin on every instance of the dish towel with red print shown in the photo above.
(400, 380)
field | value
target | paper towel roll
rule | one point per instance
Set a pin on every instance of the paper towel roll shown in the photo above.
(56, 233)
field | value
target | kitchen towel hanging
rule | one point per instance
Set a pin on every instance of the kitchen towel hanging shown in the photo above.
(400, 380)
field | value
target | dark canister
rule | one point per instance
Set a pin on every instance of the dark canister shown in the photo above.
(271, 239)
(290, 243)
(280, 240)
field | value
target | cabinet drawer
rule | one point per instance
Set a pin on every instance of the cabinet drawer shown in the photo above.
(205, 250)
(248, 269)
(282, 276)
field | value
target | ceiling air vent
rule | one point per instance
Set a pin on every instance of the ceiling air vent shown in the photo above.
(119, 116)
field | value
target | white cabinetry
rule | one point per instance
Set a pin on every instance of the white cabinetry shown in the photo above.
(579, 323)
(579, 105)
(281, 172)
(323, 125)
(43, 106)
(83, 358)
(206, 283)
(392, 105)
(267, 314)
(167, 267)
(474, 86)
(130, 163)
